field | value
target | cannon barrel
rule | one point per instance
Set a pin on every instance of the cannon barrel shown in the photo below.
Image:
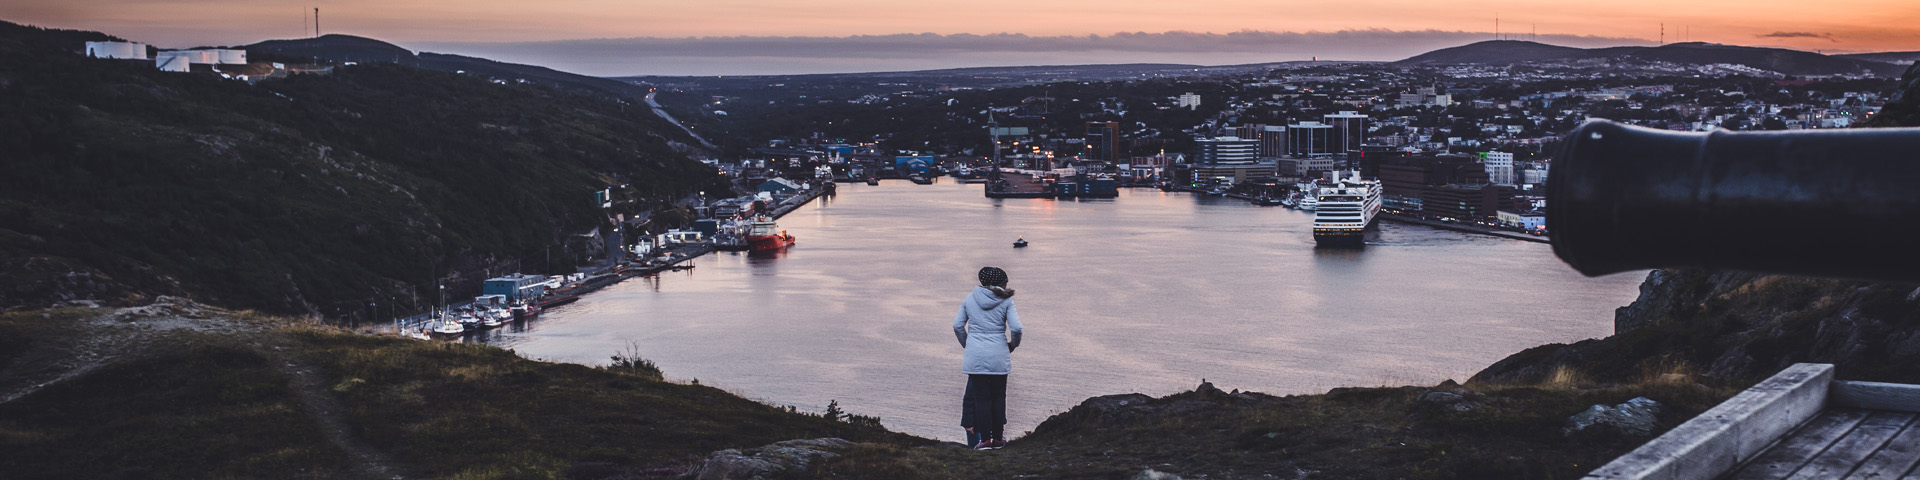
(1837, 203)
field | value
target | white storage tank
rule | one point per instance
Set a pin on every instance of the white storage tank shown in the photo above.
(122, 50)
(231, 56)
(172, 62)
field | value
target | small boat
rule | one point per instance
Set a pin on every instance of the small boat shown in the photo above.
(1020, 243)
(524, 310)
(920, 179)
(450, 328)
(873, 180)
(1266, 201)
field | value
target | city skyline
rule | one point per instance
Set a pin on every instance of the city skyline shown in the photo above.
(604, 37)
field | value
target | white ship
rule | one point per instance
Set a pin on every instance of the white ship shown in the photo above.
(1346, 207)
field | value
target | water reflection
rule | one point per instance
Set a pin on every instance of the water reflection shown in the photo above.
(1149, 292)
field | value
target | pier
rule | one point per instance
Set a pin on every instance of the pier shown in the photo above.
(1463, 228)
(1016, 185)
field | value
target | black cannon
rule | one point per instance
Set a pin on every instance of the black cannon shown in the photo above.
(1838, 203)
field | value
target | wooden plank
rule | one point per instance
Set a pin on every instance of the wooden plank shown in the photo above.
(1730, 433)
(1898, 397)
(1898, 456)
(1801, 446)
(1847, 453)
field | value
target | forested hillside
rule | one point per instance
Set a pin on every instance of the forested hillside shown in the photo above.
(310, 194)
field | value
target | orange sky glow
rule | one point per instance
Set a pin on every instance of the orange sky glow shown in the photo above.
(1832, 26)
(1853, 25)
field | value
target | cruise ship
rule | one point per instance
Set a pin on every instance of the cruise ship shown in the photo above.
(1347, 207)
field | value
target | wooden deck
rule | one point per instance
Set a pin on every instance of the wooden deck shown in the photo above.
(1800, 424)
(1841, 443)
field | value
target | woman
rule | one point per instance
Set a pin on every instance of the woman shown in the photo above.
(989, 328)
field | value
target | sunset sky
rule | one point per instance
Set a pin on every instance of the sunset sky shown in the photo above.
(610, 37)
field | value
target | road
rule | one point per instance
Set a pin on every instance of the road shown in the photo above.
(663, 114)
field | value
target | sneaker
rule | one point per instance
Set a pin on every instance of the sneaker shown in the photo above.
(993, 444)
(983, 445)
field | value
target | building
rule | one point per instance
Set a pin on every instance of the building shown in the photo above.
(117, 50)
(780, 187)
(1103, 142)
(1190, 101)
(1212, 173)
(1348, 131)
(1272, 138)
(1228, 151)
(1533, 176)
(1525, 220)
(1425, 96)
(1307, 167)
(1499, 167)
(516, 287)
(1308, 139)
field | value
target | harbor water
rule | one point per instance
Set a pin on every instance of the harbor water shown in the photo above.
(1150, 292)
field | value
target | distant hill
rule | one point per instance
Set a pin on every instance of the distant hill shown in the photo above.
(313, 194)
(1494, 52)
(1791, 62)
(349, 48)
(1888, 57)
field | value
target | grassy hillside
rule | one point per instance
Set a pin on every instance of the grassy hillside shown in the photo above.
(192, 393)
(312, 194)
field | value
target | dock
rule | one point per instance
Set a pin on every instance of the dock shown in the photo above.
(1462, 228)
(1016, 185)
(1800, 423)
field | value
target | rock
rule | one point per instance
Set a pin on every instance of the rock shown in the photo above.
(766, 462)
(1455, 400)
(1635, 418)
(1150, 474)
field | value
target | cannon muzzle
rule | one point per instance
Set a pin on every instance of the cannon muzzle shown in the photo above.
(1838, 203)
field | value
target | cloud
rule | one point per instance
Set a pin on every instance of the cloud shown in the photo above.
(1827, 36)
(780, 54)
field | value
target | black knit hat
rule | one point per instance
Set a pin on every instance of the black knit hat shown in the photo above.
(993, 277)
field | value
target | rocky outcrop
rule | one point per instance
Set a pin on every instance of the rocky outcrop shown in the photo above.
(1111, 411)
(771, 461)
(1635, 418)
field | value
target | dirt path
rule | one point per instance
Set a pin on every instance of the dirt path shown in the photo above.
(63, 352)
(309, 386)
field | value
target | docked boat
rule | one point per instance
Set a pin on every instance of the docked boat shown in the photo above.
(921, 179)
(524, 310)
(1346, 207)
(1266, 201)
(1310, 200)
(1020, 243)
(448, 327)
(873, 180)
(761, 235)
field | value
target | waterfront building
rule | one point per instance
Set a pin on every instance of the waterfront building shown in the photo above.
(516, 287)
(1524, 220)
(1103, 142)
(1210, 173)
(1347, 131)
(1306, 167)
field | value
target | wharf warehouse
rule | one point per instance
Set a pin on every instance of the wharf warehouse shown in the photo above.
(516, 287)
(117, 50)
